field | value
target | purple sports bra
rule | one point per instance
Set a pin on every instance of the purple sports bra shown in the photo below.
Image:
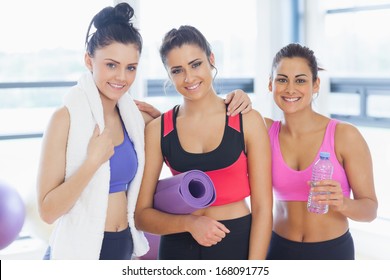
(291, 185)
(123, 164)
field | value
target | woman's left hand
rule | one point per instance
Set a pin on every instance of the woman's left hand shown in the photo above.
(333, 194)
(239, 102)
(147, 108)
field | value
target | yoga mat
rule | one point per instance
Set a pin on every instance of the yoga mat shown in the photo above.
(184, 193)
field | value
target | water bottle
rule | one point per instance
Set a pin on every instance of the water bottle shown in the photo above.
(322, 170)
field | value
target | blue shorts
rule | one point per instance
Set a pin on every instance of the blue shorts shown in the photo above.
(235, 246)
(340, 248)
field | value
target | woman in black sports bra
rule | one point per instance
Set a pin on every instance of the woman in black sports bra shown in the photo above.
(233, 151)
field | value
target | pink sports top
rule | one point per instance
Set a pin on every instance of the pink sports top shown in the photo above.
(290, 184)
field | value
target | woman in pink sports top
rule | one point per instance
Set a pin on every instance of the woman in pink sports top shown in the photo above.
(296, 142)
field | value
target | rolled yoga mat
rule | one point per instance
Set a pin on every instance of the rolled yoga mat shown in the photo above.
(184, 193)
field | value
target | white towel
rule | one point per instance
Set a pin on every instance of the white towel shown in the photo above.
(79, 233)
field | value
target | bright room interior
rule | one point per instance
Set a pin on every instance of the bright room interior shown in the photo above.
(45, 58)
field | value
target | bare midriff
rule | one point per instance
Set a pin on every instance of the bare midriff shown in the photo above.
(229, 211)
(116, 219)
(293, 222)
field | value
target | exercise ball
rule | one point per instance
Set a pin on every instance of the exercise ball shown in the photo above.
(12, 214)
(154, 244)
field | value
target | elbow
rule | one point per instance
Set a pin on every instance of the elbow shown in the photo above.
(138, 220)
(45, 210)
(143, 219)
(47, 218)
(374, 213)
(46, 215)
(370, 218)
(373, 216)
(49, 210)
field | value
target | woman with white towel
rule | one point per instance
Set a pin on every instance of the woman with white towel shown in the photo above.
(93, 150)
(92, 157)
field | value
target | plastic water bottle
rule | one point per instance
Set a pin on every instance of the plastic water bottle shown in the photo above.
(322, 170)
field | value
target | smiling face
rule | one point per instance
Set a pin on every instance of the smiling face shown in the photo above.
(114, 69)
(292, 85)
(190, 71)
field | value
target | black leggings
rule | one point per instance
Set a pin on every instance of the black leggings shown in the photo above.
(340, 248)
(235, 246)
(117, 245)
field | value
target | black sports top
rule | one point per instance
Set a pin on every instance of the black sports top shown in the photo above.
(226, 165)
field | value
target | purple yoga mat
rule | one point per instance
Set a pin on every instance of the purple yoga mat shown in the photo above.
(184, 193)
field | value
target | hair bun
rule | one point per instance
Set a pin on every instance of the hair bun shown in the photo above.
(120, 14)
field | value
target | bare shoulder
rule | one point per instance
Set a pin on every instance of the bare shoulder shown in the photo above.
(348, 139)
(268, 122)
(56, 134)
(253, 120)
(252, 116)
(347, 131)
(60, 120)
(154, 126)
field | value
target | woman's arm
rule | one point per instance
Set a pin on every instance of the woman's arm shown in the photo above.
(259, 171)
(149, 109)
(147, 117)
(238, 100)
(356, 159)
(146, 217)
(55, 196)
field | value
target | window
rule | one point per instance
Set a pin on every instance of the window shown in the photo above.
(359, 64)
(229, 28)
(352, 38)
(358, 58)
(42, 47)
(46, 41)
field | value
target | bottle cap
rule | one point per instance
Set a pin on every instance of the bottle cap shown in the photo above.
(324, 155)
